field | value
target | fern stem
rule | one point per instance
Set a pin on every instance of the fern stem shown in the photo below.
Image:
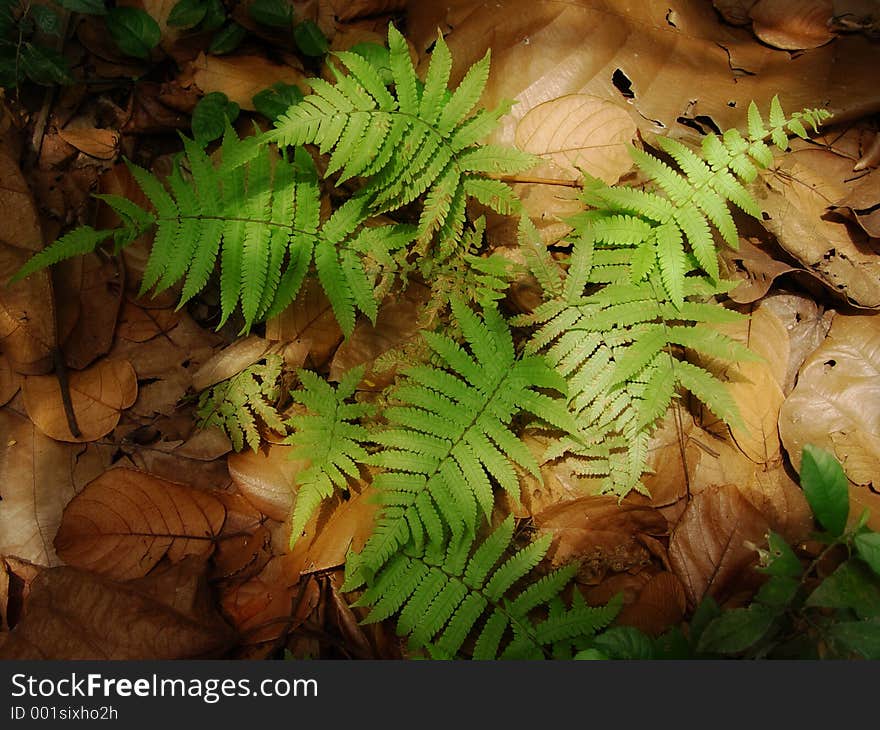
(525, 179)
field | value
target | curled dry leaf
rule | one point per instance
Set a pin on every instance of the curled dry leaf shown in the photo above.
(345, 10)
(232, 360)
(125, 521)
(792, 24)
(795, 200)
(99, 143)
(755, 266)
(711, 548)
(71, 614)
(266, 478)
(28, 332)
(862, 202)
(735, 12)
(98, 394)
(836, 403)
(578, 133)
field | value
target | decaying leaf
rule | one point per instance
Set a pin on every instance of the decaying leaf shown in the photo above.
(576, 133)
(601, 534)
(660, 605)
(98, 394)
(28, 332)
(125, 521)
(71, 614)
(241, 77)
(232, 360)
(836, 403)
(100, 143)
(712, 547)
(796, 199)
(38, 477)
(266, 478)
(10, 381)
(793, 24)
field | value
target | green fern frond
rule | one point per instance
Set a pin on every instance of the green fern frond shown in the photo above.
(467, 595)
(417, 140)
(330, 437)
(449, 437)
(77, 242)
(238, 405)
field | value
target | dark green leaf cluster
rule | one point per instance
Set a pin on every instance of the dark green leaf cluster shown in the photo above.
(238, 405)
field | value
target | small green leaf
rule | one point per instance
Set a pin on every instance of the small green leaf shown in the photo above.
(706, 612)
(781, 559)
(227, 39)
(274, 13)
(211, 116)
(277, 99)
(852, 586)
(187, 13)
(826, 488)
(215, 15)
(10, 73)
(44, 66)
(134, 31)
(861, 637)
(86, 7)
(778, 593)
(309, 39)
(868, 547)
(624, 642)
(736, 630)
(46, 19)
(590, 655)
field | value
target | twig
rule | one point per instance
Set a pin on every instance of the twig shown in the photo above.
(64, 383)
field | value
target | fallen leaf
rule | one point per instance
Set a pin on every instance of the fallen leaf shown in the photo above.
(139, 322)
(792, 24)
(38, 477)
(28, 332)
(795, 199)
(241, 77)
(99, 143)
(232, 360)
(125, 521)
(862, 203)
(660, 605)
(577, 133)
(310, 321)
(266, 478)
(756, 267)
(600, 533)
(10, 381)
(346, 10)
(94, 285)
(836, 402)
(396, 324)
(711, 548)
(98, 395)
(71, 614)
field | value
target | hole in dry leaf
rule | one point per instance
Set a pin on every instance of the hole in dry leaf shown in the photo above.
(731, 104)
(709, 122)
(622, 83)
(691, 124)
(830, 363)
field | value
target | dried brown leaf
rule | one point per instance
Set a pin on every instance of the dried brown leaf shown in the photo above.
(98, 394)
(266, 478)
(661, 604)
(71, 614)
(711, 548)
(836, 403)
(232, 360)
(100, 143)
(241, 77)
(577, 133)
(793, 24)
(125, 521)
